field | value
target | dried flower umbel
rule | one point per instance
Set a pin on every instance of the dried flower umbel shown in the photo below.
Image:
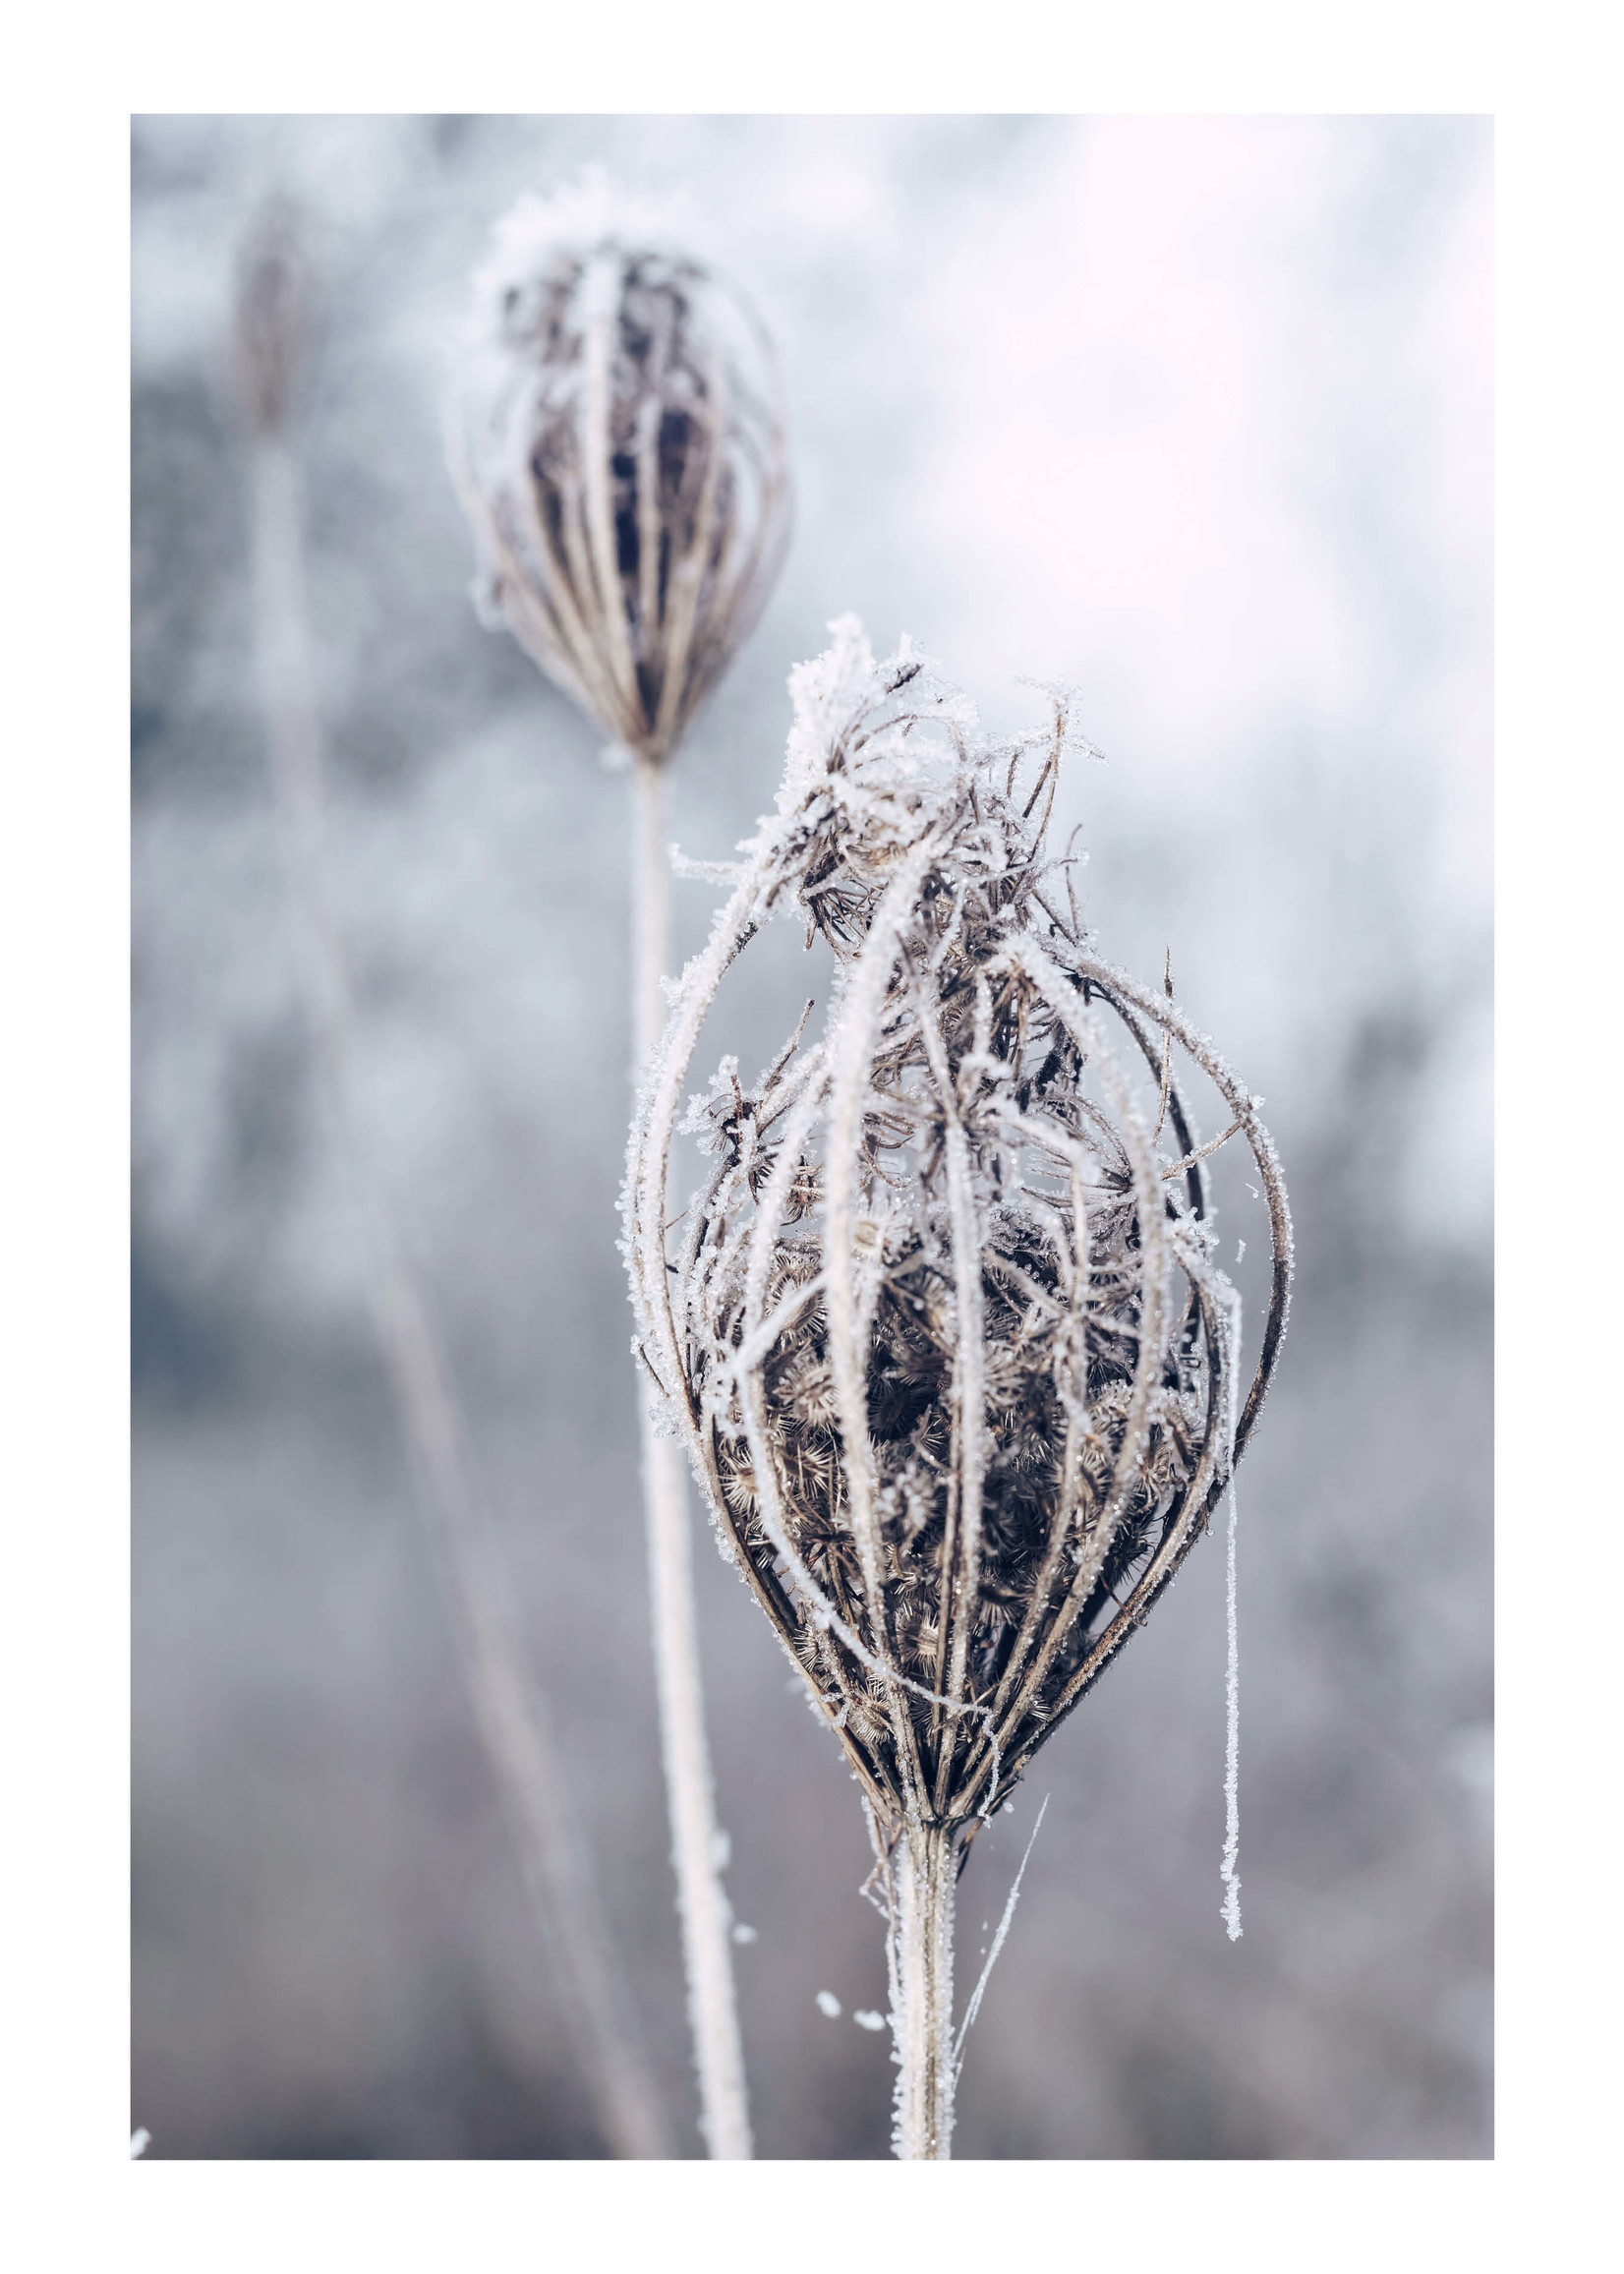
(618, 441)
(943, 1331)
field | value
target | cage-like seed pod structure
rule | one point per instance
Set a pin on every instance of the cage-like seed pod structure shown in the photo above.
(943, 1330)
(617, 435)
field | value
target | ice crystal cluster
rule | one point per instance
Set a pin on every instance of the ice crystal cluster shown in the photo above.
(942, 1329)
(618, 440)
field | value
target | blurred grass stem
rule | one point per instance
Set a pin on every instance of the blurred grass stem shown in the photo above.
(509, 1711)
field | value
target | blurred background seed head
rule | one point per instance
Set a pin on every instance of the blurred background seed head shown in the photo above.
(617, 435)
(274, 312)
(1190, 412)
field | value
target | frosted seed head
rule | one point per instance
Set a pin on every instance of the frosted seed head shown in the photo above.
(616, 433)
(951, 1314)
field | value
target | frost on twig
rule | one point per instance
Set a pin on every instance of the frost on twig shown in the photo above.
(943, 1330)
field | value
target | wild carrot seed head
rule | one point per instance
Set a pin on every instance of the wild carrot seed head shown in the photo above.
(945, 1333)
(617, 439)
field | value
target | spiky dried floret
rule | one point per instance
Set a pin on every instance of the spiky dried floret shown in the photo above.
(618, 443)
(945, 1338)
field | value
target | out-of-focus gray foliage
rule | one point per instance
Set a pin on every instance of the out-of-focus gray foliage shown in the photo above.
(1190, 413)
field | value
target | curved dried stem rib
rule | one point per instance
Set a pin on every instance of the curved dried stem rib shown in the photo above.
(600, 285)
(757, 1437)
(961, 1569)
(1060, 1528)
(1244, 1108)
(1188, 1522)
(687, 575)
(860, 1008)
(1084, 1031)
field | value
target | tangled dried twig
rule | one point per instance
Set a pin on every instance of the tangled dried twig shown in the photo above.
(959, 1375)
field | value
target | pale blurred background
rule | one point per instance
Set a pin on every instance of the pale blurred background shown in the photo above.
(1193, 413)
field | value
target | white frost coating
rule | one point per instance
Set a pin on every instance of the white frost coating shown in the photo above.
(828, 2004)
(848, 1042)
(699, 1845)
(975, 2006)
(920, 1942)
(584, 211)
(1232, 1748)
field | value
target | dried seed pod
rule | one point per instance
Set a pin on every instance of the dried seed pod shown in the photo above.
(617, 440)
(944, 1335)
(970, 1355)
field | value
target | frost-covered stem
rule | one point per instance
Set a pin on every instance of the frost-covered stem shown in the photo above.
(926, 1882)
(697, 1842)
(508, 1712)
(651, 895)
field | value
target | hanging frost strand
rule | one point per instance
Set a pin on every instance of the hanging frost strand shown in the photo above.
(1231, 1750)
(1232, 1672)
(943, 1328)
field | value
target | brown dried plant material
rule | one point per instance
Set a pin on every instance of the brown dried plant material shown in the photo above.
(943, 1331)
(617, 439)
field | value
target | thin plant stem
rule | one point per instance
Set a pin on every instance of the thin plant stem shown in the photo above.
(509, 1711)
(926, 1882)
(697, 1845)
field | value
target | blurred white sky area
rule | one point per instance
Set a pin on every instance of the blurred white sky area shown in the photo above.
(1191, 412)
